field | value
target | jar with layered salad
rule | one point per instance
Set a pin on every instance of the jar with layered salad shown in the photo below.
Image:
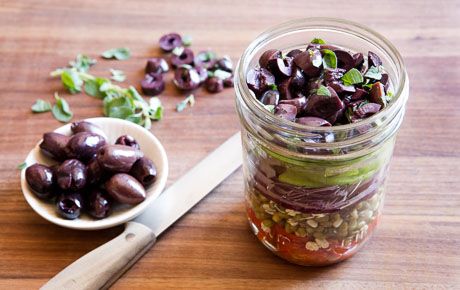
(314, 194)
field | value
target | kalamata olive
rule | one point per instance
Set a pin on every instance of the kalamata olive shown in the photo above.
(84, 145)
(359, 94)
(287, 90)
(170, 41)
(118, 158)
(267, 56)
(98, 204)
(341, 89)
(344, 59)
(94, 171)
(186, 57)
(298, 80)
(69, 205)
(270, 97)
(156, 65)
(367, 110)
(310, 62)
(359, 60)
(153, 84)
(214, 85)
(293, 53)
(206, 59)
(224, 64)
(40, 179)
(71, 175)
(128, 140)
(373, 59)
(228, 82)
(144, 171)
(313, 122)
(333, 75)
(125, 189)
(385, 81)
(314, 84)
(281, 67)
(300, 103)
(202, 72)
(325, 107)
(186, 78)
(84, 126)
(285, 111)
(259, 80)
(377, 94)
(55, 145)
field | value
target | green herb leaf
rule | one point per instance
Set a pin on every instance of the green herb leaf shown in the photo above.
(120, 107)
(329, 59)
(187, 40)
(61, 110)
(71, 81)
(93, 87)
(22, 166)
(118, 75)
(352, 77)
(41, 106)
(323, 91)
(177, 51)
(318, 41)
(156, 109)
(221, 74)
(373, 73)
(82, 63)
(273, 87)
(120, 53)
(188, 100)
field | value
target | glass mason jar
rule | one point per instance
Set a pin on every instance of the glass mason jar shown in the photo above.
(314, 195)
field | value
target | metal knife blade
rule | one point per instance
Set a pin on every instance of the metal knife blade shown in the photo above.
(189, 189)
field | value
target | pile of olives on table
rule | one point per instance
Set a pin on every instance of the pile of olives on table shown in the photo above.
(92, 174)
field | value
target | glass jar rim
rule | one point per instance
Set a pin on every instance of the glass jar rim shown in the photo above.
(319, 22)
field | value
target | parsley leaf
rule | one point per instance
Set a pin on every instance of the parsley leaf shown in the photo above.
(329, 59)
(82, 63)
(352, 77)
(318, 41)
(118, 75)
(41, 106)
(61, 110)
(323, 91)
(22, 165)
(373, 73)
(120, 53)
(71, 80)
(93, 87)
(188, 100)
(273, 87)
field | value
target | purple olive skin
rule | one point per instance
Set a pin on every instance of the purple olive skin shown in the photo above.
(367, 110)
(205, 59)
(84, 126)
(313, 122)
(373, 59)
(54, 145)
(270, 97)
(358, 95)
(300, 103)
(94, 171)
(286, 111)
(228, 82)
(359, 60)
(214, 85)
(40, 178)
(156, 65)
(128, 140)
(144, 171)
(267, 56)
(202, 72)
(310, 62)
(281, 68)
(344, 59)
(71, 175)
(293, 53)
(118, 158)
(99, 204)
(186, 78)
(153, 84)
(259, 80)
(125, 189)
(224, 64)
(170, 41)
(186, 57)
(84, 145)
(325, 107)
(69, 205)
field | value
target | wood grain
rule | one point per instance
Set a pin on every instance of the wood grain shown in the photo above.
(417, 244)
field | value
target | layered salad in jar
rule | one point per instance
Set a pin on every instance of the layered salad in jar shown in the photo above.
(313, 211)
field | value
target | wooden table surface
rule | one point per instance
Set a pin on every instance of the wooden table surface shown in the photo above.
(418, 242)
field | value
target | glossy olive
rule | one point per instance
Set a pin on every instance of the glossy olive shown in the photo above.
(99, 204)
(54, 145)
(69, 205)
(125, 189)
(40, 179)
(71, 175)
(128, 140)
(94, 171)
(84, 126)
(144, 171)
(85, 145)
(118, 158)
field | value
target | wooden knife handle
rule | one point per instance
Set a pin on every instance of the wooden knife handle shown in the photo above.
(101, 267)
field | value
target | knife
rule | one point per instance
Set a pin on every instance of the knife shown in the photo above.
(101, 267)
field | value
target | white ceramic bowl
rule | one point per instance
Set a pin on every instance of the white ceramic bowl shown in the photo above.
(113, 128)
